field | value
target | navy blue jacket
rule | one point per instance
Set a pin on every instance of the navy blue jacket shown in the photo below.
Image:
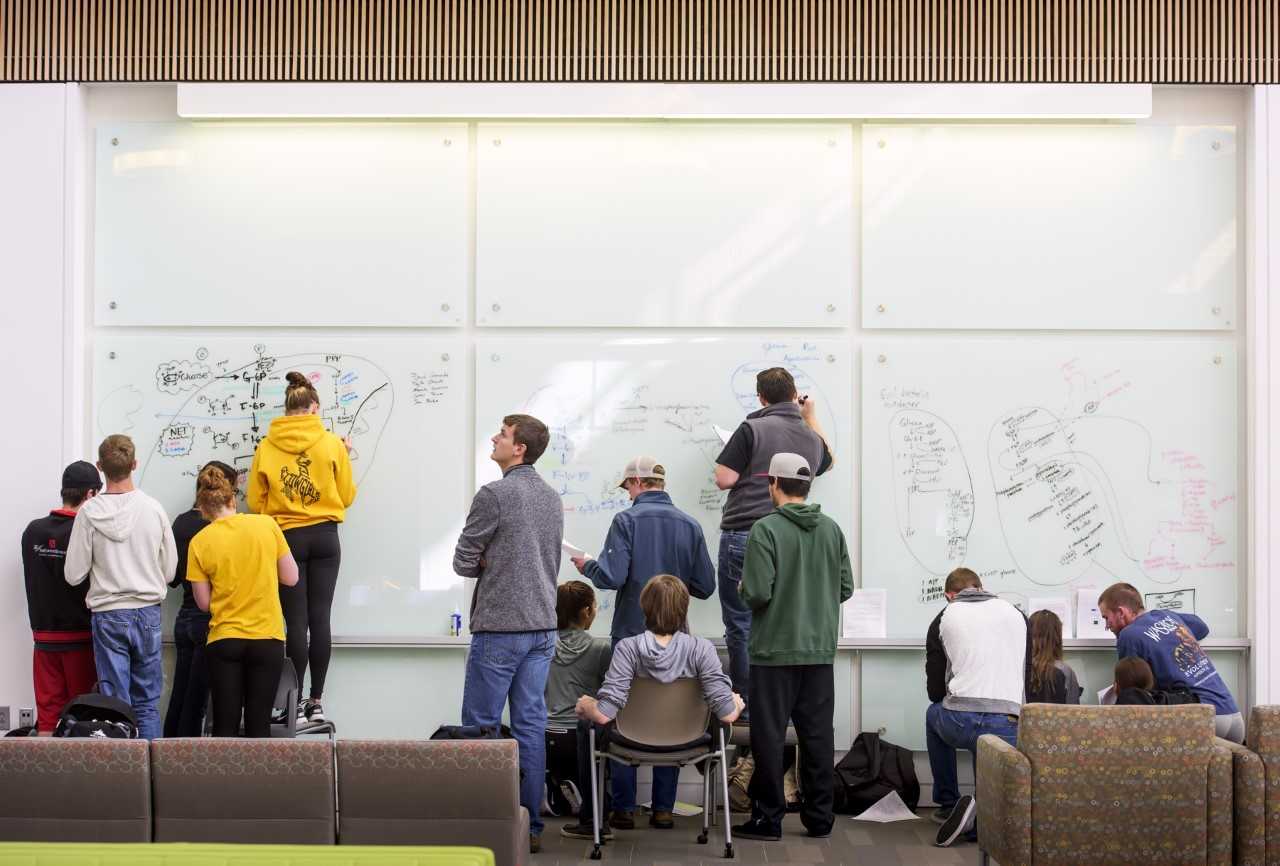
(651, 537)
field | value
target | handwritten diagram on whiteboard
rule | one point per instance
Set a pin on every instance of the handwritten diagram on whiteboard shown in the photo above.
(607, 402)
(1050, 465)
(188, 400)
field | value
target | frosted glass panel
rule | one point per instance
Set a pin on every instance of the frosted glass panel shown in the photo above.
(1051, 465)
(665, 224)
(606, 402)
(1049, 226)
(281, 224)
(186, 400)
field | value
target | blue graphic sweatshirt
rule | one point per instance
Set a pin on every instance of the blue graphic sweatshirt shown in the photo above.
(1169, 642)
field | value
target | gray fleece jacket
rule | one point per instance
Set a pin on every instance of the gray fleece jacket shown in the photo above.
(515, 526)
(577, 669)
(684, 656)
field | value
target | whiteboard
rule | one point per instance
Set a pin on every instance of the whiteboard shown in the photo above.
(1050, 226)
(662, 224)
(1046, 465)
(609, 401)
(189, 399)
(281, 224)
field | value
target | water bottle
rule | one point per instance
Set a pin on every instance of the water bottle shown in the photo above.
(455, 623)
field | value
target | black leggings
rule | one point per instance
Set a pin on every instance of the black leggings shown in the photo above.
(243, 675)
(307, 606)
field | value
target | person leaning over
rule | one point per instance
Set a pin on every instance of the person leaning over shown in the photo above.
(121, 542)
(234, 566)
(794, 579)
(62, 661)
(1169, 642)
(977, 666)
(511, 545)
(651, 537)
(786, 422)
(301, 476)
(665, 652)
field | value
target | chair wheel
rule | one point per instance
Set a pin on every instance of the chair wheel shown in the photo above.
(595, 852)
(702, 838)
(728, 852)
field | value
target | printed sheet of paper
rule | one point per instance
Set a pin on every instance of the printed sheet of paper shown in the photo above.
(722, 433)
(1107, 697)
(887, 809)
(1089, 621)
(865, 614)
(571, 549)
(1060, 606)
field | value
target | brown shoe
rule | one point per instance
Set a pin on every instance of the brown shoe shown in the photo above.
(535, 844)
(662, 820)
(623, 820)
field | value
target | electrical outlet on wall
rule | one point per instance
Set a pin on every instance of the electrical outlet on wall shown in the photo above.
(4, 718)
(26, 717)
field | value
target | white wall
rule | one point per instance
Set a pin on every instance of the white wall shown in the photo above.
(32, 257)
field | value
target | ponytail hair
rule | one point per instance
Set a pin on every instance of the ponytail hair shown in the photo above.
(215, 490)
(299, 394)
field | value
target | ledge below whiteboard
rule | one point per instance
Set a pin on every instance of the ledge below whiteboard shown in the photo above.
(1237, 644)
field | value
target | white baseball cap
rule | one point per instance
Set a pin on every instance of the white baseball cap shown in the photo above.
(787, 465)
(643, 467)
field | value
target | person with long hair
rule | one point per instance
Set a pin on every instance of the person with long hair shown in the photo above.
(1052, 680)
(190, 688)
(301, 476)
(234, 565)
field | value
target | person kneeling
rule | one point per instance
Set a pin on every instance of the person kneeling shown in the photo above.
(665, 652)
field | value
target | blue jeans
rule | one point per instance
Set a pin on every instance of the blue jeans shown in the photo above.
(947, 730)
(126, 651)
(514, 666)
(733, 610)
(622, 788)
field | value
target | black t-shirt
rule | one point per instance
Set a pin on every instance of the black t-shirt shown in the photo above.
(736, 454)
(185, 527)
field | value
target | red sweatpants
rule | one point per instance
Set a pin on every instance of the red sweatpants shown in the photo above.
(60, 676)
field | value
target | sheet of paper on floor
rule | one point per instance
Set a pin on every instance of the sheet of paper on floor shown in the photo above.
(887, 809)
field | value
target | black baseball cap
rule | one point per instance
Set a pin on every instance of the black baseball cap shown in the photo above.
(81, 476)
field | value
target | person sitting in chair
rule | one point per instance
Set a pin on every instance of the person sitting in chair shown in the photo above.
(665, 652)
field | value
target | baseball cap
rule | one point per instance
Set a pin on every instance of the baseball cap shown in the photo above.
(81, 476)
(643, 467)
(787, 465)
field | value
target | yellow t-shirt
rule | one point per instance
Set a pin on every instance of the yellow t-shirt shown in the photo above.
(237, 555)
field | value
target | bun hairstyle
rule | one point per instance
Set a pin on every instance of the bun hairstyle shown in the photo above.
(214, 490)
(299, 394)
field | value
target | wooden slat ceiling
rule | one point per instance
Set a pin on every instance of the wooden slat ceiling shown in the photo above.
(1159, 41)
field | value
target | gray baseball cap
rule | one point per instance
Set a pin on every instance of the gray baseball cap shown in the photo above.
(643, 467)
(787, 465)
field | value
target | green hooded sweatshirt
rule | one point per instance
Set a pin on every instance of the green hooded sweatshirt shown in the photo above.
(795, 575)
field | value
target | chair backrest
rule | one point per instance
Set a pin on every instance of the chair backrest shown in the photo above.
(663, 715)
(286, 699)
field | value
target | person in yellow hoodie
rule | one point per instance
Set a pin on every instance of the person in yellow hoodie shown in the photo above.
(301, 476)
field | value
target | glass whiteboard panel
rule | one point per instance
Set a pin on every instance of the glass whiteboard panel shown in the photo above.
(665, 224)
(189, 399)
(281, 224)
(1049, 226)
(608, 401)
(1048, 465)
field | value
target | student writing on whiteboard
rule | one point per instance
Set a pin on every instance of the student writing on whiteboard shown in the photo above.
(649, 538)
(977, 662)
(787, 422)
(301, 476)
(511, 545)
(796, 575)
(1169, 642)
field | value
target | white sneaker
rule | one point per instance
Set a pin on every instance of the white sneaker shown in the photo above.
(302, 712)
(314, 712)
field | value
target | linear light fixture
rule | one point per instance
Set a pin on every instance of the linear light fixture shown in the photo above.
(783, 101)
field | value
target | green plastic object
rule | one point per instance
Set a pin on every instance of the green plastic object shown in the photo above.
(198, 854)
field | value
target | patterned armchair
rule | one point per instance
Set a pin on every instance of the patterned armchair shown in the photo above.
(1264, 738)
(1107, 785)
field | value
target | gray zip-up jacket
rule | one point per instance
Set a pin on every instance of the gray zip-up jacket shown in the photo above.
(515, 526)
(684, 656)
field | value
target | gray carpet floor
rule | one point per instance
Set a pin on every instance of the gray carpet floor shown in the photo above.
(854, 843)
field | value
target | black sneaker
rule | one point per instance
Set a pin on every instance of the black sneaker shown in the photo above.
(818, 832)
(942, 813)
(279, 717)
(314, 711)
(958, 822)
(302, 712)
(758, 828)
(582, 830)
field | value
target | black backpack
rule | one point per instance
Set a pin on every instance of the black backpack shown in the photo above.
(95, 715)
(471, 732)
(871, 769)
